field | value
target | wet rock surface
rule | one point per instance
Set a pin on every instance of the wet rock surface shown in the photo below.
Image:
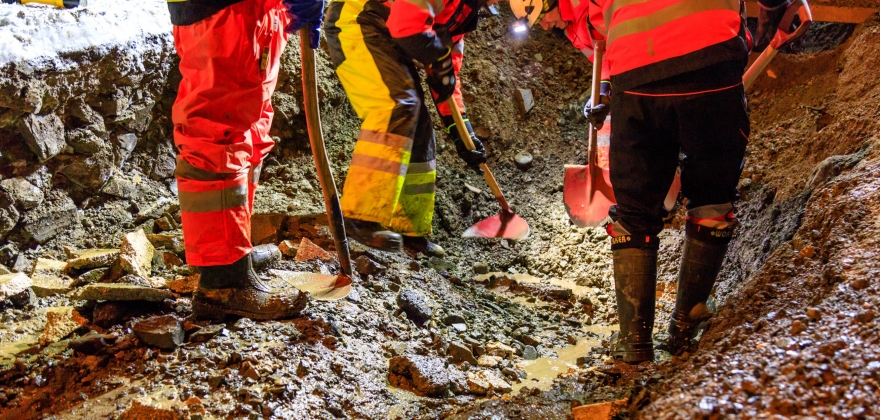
(423, 375)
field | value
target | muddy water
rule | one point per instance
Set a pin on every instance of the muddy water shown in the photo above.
(543, 370)
(526, 278)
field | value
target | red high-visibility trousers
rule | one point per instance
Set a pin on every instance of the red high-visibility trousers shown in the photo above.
(222, 115)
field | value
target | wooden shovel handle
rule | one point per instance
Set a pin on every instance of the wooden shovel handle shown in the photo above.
(598, 55)
(469, 143)
(319, 152)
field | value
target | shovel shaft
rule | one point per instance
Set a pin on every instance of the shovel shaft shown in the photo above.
(598, 55)
(319, 153)
(758, 66)
(469, 143)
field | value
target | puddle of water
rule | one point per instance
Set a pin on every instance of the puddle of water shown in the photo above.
(543, 370)
(9, 350)
(527, 278)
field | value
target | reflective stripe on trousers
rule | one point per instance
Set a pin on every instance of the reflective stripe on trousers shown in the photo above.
(392, 172)
(222, 115)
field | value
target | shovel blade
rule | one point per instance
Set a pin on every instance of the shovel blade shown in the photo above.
(587, 194)
(502, 225)
(324, 287)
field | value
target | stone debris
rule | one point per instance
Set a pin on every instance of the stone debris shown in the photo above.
(530, 353)
(57, 214)
(499, 349)
(525, 101)
(461, 353)
(207, 333)
(489, 361)
(164, 332)
(23, 193)
(92, 258)
(49, 279)
(415, 306)
(365, 266)
(13, 284)
(423, 375)
(60, 322)
(481, 268)
(288, 248)
(483, 382)
(147, 409)
(265, 228)
(523, 160)
(170, 241)
(600, 411)
(44, 135)
(307, 250)
(184, 285)
(120, 292)
(136, 254)
(90, 276)
(92, 342)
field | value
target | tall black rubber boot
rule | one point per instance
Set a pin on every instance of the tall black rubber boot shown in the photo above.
(635, 283)
(704, 250)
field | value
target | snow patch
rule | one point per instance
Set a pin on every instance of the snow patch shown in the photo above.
(38, 34)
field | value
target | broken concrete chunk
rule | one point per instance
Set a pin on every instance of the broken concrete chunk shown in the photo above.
(483, 382)
(184, 285)
(46, 221)
(136, 254)
(44, 135)
(120, 292)
(288, 248)
(92, 258)
(499, 349)
(49, 279)
(13, 284)
(489, 361)
(421, 374)
(60, 322)
(307, 250)
(22, 193)
(461, 353)
(164, 332)
(415, 305)
(524, 100)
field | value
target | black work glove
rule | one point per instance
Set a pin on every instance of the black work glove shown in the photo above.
(596, 114)
(770, 14)
(441, 76)
(473, 158)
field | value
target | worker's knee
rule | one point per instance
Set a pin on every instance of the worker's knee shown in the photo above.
(711, 223)
(621, 238)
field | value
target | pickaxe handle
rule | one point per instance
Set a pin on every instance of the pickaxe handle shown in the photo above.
(319, 153)
(469, 143)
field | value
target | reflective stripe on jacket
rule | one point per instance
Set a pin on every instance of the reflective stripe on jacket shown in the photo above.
(650, 40)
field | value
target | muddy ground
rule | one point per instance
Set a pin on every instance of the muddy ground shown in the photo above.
(795, 332)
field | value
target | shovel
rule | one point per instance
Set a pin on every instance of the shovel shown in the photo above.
(322, 286)
(784, 36)
(587, 191)
(506, 224)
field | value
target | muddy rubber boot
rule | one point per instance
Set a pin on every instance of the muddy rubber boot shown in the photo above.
(635, 284)
(423, 245)
(235, 289)
(265, 255)
(373, 235)
(700, 263)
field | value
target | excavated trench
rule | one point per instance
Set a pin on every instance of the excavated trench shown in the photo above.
(497, 329)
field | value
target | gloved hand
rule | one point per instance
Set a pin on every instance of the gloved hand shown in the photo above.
(306, 12)
(441, 76)
(596, 114)
(473, 158)
(770, 14)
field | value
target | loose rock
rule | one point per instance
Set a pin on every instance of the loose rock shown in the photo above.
(60, 322)
(120, 292)
(13, 284)
(421, 374)
(483, 382)
(184, 285)
(92, 258)
(44, 135)
(489, 361)
(499, 349)
(49, 279)
(523, 160)
(366, 266)
(288, 248)
(307, 250)
(165, 332)
(136, 254)
(22, 193)
(461, 353)
(415, 305)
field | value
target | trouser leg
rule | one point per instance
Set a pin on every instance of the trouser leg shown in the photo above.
(223, 96)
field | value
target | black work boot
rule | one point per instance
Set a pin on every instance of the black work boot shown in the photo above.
(704, 250)
(373, 235)
(235, 289)
(265, 255)
(423, 245)
(635, 283)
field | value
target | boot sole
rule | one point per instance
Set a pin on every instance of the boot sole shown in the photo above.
(212, 312)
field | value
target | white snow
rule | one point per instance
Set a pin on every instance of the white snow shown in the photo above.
(37, 34)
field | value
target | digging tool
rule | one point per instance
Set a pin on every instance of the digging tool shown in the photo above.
(506, 224)
(322, 286)
(784, 36)
(587, 191)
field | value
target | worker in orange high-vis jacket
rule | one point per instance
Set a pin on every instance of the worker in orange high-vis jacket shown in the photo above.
(675, 68)
(229, 52)
(388, 197)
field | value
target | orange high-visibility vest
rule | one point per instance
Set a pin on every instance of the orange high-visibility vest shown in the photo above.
(648, 40)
